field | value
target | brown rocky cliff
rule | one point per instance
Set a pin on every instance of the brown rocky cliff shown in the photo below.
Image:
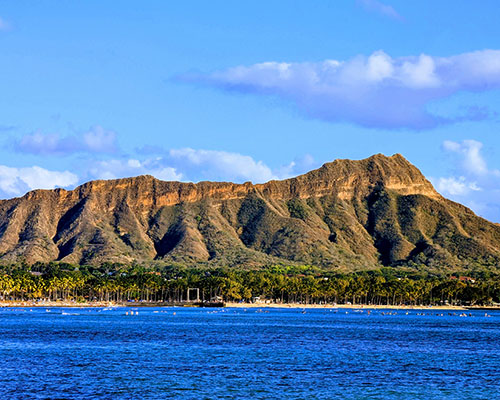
(325, 216)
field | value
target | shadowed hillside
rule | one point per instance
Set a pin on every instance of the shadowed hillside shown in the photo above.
(347, 214)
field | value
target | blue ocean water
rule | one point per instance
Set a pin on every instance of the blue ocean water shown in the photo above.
(188, 353)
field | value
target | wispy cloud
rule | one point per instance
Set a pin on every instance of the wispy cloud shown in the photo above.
(118, 168)
(298, 166)
(188, 165)
(377, 91)
(195, 165)
(95, 140)
(17, 181)
(456, 186)
(379, 8)
(470, 157)
(472, 182)
(7, 128)
(184, 164)
(4, 25)
(219, 165)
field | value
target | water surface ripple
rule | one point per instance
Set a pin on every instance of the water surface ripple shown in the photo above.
(247, 354)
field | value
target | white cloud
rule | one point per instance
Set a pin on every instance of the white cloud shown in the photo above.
(380, 8)
(99, 140)
(420, 73)
(219, 165)
(298, 166)
(379, 67)
(17, 181)
(473, 182)
(95, 140)
(113, 169)
(455, 186)
(198, 165)
(470, 155)
(374, 91)
(186, 164)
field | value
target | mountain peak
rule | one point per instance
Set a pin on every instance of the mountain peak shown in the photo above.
(347, 214)
(359, 176)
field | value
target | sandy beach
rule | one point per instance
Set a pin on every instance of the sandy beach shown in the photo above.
(6, 304)
(346, 306)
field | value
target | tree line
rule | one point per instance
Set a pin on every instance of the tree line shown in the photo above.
(277, 284)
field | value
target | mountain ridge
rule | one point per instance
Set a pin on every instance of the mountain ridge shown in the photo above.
(347, 214)
(120, 182)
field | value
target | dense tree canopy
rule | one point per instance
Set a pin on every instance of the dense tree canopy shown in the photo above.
(280, 284)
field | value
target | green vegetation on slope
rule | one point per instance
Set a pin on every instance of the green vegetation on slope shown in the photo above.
(346, 216)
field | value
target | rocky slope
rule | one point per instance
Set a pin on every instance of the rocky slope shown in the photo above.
(346, 214)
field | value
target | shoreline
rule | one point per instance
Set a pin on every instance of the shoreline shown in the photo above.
(59, 304)
(105, 304)
(344, 306)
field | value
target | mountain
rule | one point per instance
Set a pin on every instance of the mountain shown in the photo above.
(348, 215)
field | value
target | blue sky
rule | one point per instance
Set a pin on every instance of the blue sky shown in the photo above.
(220, 90)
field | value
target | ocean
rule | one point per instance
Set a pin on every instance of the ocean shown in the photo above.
(236, 353)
